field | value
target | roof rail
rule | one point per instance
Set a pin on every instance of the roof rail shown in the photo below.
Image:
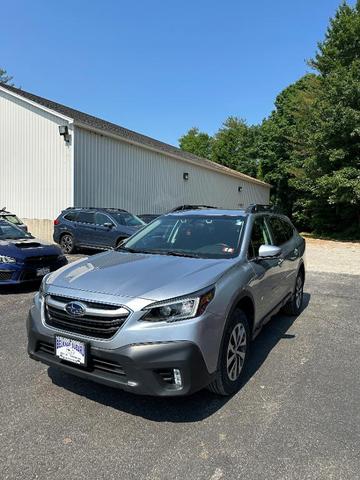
(190, 207)
(97, 208)
(257, 207)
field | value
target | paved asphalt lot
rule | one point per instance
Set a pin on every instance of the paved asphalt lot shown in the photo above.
(297, 416)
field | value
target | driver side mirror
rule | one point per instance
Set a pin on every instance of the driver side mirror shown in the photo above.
(268, 251)
(107, 225)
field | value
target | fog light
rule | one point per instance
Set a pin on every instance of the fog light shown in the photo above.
(132, 384)
(177, 377)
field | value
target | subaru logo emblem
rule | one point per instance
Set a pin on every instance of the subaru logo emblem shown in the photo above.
(75, 309)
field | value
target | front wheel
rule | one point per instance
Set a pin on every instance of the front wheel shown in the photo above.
(233, 356)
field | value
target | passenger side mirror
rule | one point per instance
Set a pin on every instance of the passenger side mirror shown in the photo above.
(268, 251)
(108, 225)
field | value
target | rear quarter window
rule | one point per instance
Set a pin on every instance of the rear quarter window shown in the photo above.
(71, 216)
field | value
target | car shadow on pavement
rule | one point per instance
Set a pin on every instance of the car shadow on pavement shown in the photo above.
(21, 288)
(193, 408)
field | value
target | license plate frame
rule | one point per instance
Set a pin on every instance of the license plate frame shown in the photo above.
(63, 341)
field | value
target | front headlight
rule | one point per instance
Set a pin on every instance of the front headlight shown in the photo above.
(180, 308)
(5, 259)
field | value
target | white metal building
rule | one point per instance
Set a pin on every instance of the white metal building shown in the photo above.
(52, 157)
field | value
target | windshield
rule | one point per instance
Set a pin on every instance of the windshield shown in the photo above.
(13, 219)
(128, 219)
(10, 231)
(210, 236)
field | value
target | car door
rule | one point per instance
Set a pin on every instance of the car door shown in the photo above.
(105, 234)
(283, 236)
(265, 283)
(85, 228)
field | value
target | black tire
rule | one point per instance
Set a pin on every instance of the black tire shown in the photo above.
(67, 243)
(227, 383)
(294, 306)
(118, 241)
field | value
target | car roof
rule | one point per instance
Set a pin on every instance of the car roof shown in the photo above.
(96, 209)
(209, 212)
(224, 212)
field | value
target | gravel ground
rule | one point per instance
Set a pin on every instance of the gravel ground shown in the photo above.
(297, 416)
(333, 257)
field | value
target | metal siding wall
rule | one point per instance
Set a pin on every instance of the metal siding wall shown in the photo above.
(112, 173)
(35, 163)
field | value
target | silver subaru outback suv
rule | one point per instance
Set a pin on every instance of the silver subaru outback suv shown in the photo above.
(174, 308)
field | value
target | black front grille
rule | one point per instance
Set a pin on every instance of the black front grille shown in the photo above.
(41, 261)
(5, 275)
(107, 366)
(93, 324)
(94, 363)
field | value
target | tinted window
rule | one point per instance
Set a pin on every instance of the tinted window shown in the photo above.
(282, 231)
(10, 231)
(259, 236)
(71, 216)
(128, 219)
(86, 217)
(13, 219)
(101, 218)
(288, 229)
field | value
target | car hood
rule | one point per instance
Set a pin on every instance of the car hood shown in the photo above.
(27, 247)
(136, 275)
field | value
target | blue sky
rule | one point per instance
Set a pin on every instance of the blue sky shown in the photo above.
(161, 67)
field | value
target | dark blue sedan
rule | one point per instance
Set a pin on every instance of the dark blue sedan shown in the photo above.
(24, 258)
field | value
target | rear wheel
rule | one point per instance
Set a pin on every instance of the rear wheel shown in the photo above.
(293, 307)
(67, 243)
(233, 356)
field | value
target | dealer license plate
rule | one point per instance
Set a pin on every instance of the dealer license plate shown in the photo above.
(70, 350)
(40, 272)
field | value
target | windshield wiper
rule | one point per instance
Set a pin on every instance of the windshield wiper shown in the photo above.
(181, 254)
(159, 252)
(133, 250)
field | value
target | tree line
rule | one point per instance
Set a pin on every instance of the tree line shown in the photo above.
(308, 148)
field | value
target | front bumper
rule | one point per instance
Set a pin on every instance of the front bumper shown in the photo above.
(139, 368)
(16, 273)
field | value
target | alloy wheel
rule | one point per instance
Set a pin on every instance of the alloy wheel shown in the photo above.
(67, 243)
(236, 352)
(298, 292)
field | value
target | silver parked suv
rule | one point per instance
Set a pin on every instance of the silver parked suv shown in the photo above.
(175, 307)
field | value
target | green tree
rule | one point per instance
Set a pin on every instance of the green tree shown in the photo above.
(234, 146)
(332, 167)
(282, 142)
(4, 77)
(341, 46)
(196, 142)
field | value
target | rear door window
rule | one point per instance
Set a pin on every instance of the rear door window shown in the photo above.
(282, 231)
(86, 217)
(101, 218)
